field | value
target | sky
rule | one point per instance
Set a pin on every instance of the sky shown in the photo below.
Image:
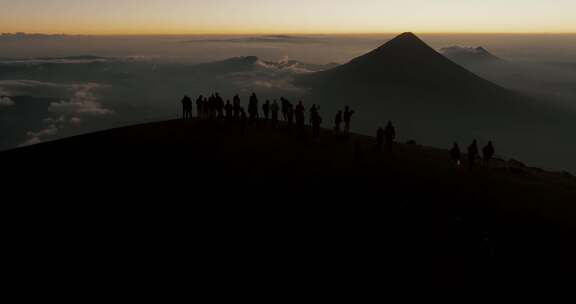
(149, 17)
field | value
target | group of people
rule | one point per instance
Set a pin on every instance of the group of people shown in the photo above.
(214, 107)
(473, 154)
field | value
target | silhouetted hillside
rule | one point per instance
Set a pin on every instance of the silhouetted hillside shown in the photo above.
(407, 213)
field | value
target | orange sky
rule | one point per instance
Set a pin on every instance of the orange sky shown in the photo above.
(295, 16)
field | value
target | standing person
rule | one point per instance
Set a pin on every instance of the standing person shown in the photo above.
(337, 123)
(313, 111)
(316, 121)
(456, 155)
(236, 106)
(219, 106)
(347, 119)
(228, 108)
(380, 138)
(275, 108)
(199, 106)
(187, 107)
(390, 135)
(266, 109)
(253, 108)
(488, 153)
(285, 104)
(299, 114)
(290, 114)
(473, 154)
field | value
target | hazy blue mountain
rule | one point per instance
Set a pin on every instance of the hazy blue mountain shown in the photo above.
(470, 55)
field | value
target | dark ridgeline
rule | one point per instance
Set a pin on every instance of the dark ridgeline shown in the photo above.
(232, 180)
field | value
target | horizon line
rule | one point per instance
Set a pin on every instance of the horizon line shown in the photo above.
(285, 33)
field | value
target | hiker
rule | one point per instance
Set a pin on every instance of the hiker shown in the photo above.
(473, 154)
(228, 109)
(186, 107)
(290, 114)
(236, 107)
(456, 155)
(266, 109)
(284, 103)
(380, 138)
(337, 122)
(219, 103)
(199, 106)
(275, 108)
(488, 153)
(253, 108)
(313, 111)
(300, 118)
(316, 121)
(390, 134)
(347, 119)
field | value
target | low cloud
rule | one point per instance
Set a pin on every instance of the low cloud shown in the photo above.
(37, 137)
(5, 100)
(83, 102)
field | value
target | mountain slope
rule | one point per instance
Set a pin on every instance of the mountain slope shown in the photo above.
(406, 214)
(404, 62)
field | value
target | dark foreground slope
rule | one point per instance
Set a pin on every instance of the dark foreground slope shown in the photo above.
(266, 207)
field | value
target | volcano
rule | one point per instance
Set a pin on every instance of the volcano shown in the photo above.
(404, 67)
(470, 55)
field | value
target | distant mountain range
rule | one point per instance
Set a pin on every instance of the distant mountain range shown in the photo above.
(469, 55)
(405, 68)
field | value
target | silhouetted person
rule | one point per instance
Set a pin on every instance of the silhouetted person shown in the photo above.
(186, 107)
(488, 153)
(199, 106)
(212, 109)
(473, 154)
(456, 155)
(380, 138)
(228, 109)
(266, 109)
(390, 135)
(316, 121)
(290, 114)
(219, 104)
(337, 123)
(253, 108)
(299, 115)
(313, 111)
(284, 103)
(347, 119)
(275, 108)
(236, 107)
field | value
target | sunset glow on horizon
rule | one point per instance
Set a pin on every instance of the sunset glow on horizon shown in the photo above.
(148, 17)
